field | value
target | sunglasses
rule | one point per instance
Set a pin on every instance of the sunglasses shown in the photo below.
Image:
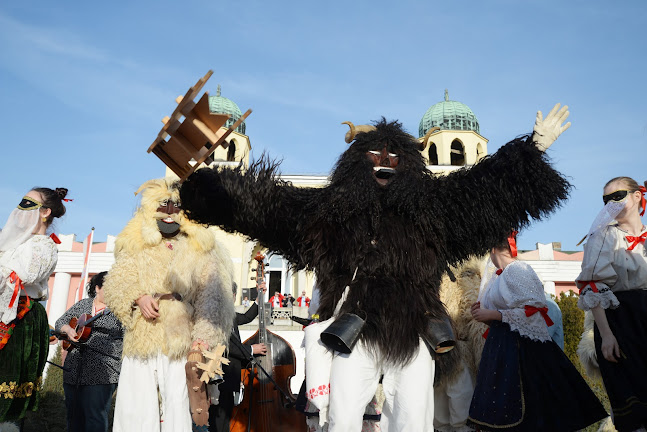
(28, 203)
(618, 195)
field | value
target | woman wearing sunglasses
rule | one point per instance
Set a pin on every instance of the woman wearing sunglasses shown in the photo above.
(27, 258)
(613, 286)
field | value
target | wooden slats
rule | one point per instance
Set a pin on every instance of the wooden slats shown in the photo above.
(188, 129)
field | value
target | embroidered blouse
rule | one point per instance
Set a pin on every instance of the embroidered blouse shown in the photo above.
(33, 262)
(515, 288)
(608, 266)
(85, 366)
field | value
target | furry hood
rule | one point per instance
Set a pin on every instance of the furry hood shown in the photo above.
(142, 232)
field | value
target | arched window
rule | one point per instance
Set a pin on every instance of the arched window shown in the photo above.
(479, 152)
(231, 151)
(433, 154)
(457, 153)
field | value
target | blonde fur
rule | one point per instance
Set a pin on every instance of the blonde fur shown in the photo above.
(195, 266)
(458, 298)
(586, 348)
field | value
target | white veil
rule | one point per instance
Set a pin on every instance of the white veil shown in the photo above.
(489, 272)
(605, 217)
(19, 228)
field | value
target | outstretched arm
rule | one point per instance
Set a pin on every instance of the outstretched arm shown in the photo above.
(253, 202)
(477, 207)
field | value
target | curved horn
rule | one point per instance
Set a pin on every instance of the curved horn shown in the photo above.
(423, 144)
(147, 184)
(350, 135)
(354, 130)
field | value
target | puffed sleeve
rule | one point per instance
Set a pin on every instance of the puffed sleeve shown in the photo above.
(598, 275)
(32, 262)
(526, 303)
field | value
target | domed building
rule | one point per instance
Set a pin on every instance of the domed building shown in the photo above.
(238, 145)
(222, 105)
(457, 143)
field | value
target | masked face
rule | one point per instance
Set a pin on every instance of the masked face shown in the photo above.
(165, 221)
(29, 203)
(384, 164)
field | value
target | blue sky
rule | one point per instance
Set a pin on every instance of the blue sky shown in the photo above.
(85, 84)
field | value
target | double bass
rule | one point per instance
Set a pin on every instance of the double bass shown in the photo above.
(264, 407)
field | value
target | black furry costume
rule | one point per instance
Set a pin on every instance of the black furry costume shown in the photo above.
(401, 237)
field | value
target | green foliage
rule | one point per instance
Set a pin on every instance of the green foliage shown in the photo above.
(573, 322)
(54, 380)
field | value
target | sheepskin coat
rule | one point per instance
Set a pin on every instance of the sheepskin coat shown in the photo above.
(191, 264)
(458, 297)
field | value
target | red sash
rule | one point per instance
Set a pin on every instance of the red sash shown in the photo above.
(6, 330)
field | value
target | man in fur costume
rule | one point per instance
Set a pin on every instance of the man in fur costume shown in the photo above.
(170, 287)
(385, 225)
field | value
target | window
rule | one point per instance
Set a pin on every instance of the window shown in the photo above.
(231, 151)
(457, 153)
(479, 152)
(433, 154)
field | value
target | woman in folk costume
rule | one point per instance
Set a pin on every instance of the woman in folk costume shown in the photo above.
(613, 286)
(525, 382)
(27, 259)
(384, 226)
(170, 287)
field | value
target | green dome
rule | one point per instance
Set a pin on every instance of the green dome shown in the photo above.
(222, 105)
(449, 115)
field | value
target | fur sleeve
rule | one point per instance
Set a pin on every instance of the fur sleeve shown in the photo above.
(482, 204)
(253, 202)
(122, 287)
(214, 306)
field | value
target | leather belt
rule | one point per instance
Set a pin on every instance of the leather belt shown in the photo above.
(168, 296)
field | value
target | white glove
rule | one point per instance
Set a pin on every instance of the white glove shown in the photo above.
(547, 130)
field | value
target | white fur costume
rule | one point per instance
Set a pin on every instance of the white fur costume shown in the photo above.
(190, 264)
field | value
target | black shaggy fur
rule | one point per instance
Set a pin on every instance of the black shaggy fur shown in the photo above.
(400, 237)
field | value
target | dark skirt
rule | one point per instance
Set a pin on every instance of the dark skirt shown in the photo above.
(526, 385)
(22, 362)
(626, 381)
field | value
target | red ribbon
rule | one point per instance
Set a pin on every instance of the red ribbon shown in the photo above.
(18, 285)
(55, 238)
(531, 310)
(485, 333)
(499, 271)
(635, 240)
(67, 199)
(593, 287)
(642, 199)
(512, 241)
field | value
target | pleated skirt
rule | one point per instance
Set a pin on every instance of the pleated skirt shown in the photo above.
(526, 385)
(626, 381)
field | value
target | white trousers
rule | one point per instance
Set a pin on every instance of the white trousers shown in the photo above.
(452, 403)
(138, 407)
(408, 391)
